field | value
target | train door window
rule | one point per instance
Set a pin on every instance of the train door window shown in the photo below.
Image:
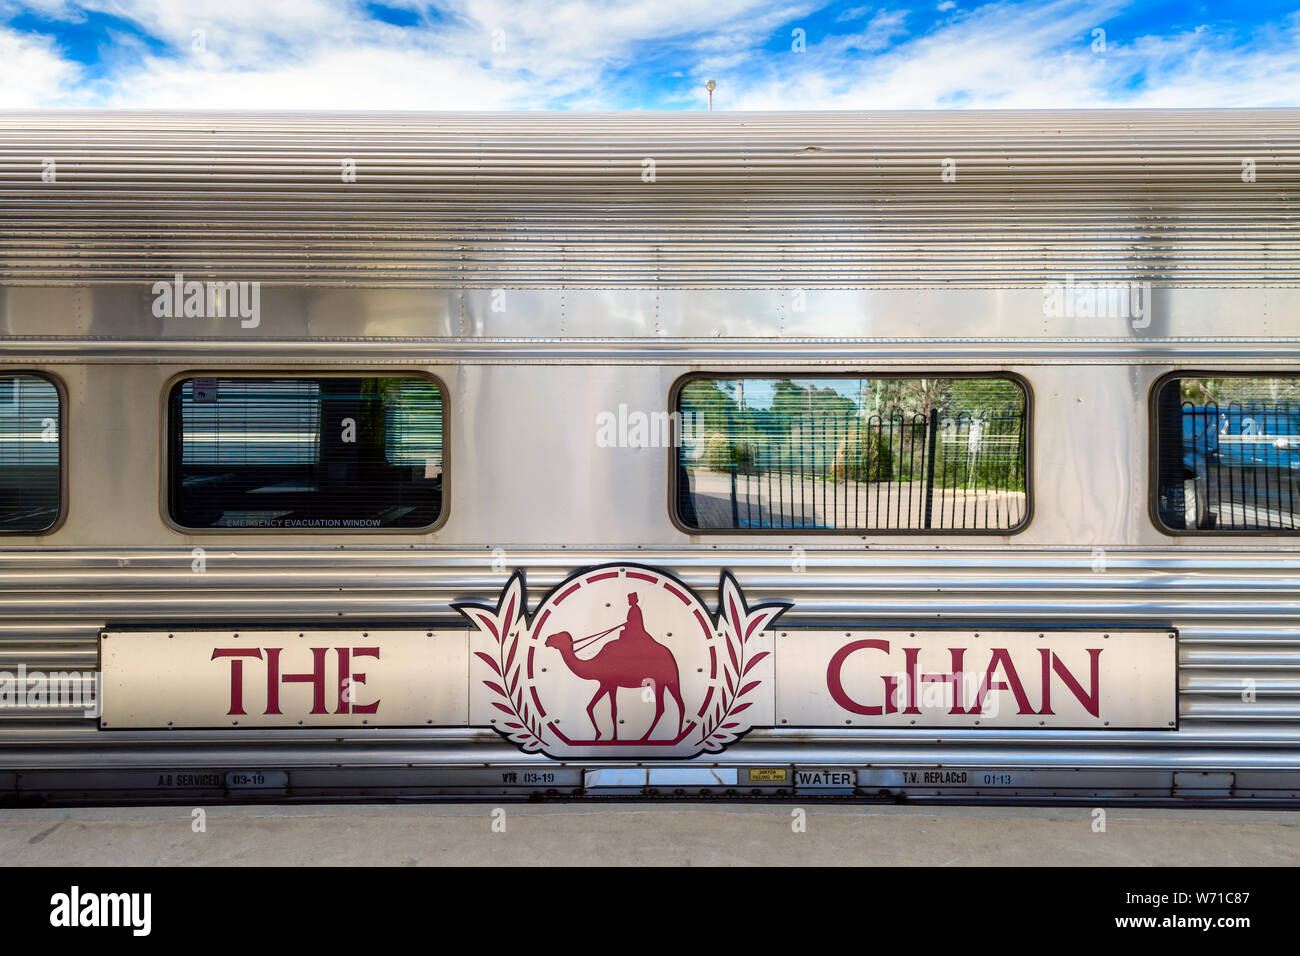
(30, 454)
(851, 454)
(327, 452)
(1227, 453)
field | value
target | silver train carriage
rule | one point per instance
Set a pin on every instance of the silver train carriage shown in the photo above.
(903, 456)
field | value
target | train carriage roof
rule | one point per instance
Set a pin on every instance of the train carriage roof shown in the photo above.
(720, 200)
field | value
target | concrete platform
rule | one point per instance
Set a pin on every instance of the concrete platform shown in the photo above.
(648, 835)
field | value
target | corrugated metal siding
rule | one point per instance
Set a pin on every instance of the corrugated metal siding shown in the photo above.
(739, 200)
(1236, 616)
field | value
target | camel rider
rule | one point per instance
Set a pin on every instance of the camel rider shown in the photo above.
(634, 628)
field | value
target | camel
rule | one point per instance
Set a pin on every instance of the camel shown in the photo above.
(624, 663)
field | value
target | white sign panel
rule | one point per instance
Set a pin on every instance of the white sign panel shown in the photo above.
(624, 661)
(343, 678)
(1096, 680)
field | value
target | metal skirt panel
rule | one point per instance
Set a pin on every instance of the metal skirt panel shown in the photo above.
(1236, 617)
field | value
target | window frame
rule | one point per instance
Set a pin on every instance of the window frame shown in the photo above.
(61, 395)
(1153, 452)
(165, 457)
(674, 396)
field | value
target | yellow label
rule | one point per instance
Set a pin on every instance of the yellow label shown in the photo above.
(768, 775)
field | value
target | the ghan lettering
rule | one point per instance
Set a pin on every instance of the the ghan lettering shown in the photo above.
(967, 690)
(334, 685)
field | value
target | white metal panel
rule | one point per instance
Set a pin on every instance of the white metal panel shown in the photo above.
(961, 678)
(251, 678)
(859, 326)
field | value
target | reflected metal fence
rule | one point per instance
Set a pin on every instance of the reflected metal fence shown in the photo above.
(963, 471)
(1241, 465)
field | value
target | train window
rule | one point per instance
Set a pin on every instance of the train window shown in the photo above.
(30, 461)
(841, 453)
(1227, 455)
(328, 452)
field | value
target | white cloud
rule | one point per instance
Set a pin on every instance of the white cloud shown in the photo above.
(369, 78)
(1017, 56)
(853, 13)
(32, 71)
(319, 54)
(322, 54)
(880, 31)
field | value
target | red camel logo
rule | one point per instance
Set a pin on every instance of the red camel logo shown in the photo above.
(633, 659)
(534, 677)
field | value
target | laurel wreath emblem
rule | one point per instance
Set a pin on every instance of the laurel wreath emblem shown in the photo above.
(522, 727)
(736, 624)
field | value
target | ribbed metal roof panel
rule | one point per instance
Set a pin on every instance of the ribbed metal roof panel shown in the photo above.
(652, 199)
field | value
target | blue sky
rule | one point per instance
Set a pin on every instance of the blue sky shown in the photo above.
(646, 54)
